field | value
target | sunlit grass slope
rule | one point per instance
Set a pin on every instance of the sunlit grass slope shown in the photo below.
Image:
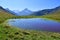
(4, 15)
(54, 16)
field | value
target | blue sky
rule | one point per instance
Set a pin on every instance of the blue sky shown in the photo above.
(33, 5)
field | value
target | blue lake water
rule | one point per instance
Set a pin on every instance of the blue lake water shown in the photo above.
(36, 24)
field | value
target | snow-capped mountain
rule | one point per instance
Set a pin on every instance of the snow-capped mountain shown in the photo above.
(24, 12)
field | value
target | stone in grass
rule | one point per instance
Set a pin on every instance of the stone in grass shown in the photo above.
(26, 33)
(7, 26)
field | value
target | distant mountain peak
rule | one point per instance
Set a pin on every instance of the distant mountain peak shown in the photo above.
(57, 7)
(24, 12)
(1, 7)
(26, 9)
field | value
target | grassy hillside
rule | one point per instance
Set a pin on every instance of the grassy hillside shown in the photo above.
(54, 16)
(4, 15)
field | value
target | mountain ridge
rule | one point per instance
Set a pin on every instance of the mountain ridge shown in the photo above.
(46, 11)
(27, 12)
